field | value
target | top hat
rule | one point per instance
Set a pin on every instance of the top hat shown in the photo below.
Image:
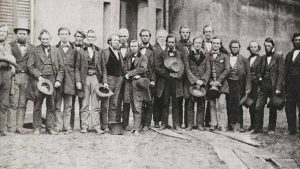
(45, 86)
(276, 102)
(197, 91)
(246, 101)
(213, 93)
(141, 83)
(22, 24)
(102, 91)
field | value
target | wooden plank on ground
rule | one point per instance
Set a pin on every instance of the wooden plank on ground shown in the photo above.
(251, 161)
(244, 138)
(227, 156)
(283, 163)
(170, 133)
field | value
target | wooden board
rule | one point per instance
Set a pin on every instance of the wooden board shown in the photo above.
(251, 161)
(228, 157)
(170, 133)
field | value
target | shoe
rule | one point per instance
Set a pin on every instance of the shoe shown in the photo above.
(36, 132)
(83, 130)
(106, 130)
(237, 127)
(68, 132)
(189, 128)
(177, 128)
(200, 128)
(20, 131)
(212, 128)
(250, 128)
(99, 131)
(127, 128)
(271, 132)
(242, 130)
(163, 127)
(223, 128)
(156, 125)
(255, 131)
(5, 133)
(145, 128)
(52, 132)
(136, 133)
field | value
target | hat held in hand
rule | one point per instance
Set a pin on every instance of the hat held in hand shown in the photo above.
(101, 91)
(45, 86)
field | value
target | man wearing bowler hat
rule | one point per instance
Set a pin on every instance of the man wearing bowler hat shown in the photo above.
(20, 49)
(239, 82)
(219, 63)
(197, 73)
(271, 85)
(135, 73)
(45, 62)
(292, 69)
(6, 72)
(169, 82)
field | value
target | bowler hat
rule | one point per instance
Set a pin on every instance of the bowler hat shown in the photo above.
(246, 101)
(276, 102)
(141, 83)
(101, 91)
(116, 128)
(45, 86)
(213, 93)
(197, 91)
(22, 24)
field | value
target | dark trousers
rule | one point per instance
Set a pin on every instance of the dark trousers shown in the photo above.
(253, 95)
(72, 121)
(121, 104)
(199, 113)
(157, 109)
(293, 101)
(207, 115)
(183, 110)
(125, 114)
(147, 113)
(170, 91)
(234, 111)
(263, 96)
(5, 85)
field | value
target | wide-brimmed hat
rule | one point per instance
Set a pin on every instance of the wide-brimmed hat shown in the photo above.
(174, 64)
(7, 57)
(276, 102)
(101, 91)
(116, 128)
(213, 93)
(45, 86)
(141, 83)
(22, 24)
(246, 101)
(197, 91)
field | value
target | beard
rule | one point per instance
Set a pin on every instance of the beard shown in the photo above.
(21, 41)
(297, 46)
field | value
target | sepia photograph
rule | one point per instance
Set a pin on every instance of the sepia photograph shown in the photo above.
(149, 84)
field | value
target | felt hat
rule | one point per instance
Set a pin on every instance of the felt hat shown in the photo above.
(246, 101)
(213, 93)
(102, 91)
(197, 91)
(141, 83)
(276, 102)
(45, 86)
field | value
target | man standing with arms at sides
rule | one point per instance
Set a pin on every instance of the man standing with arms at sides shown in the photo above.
(92, 72)
(198, 73)
(271, 84)
(255, 68)
(239, 82)
(78, 45)
(184, 46)
(67, 90)
(45, 62)
(6, 72)
(123, 109)
(114, 65)
(219, 72)
(147, 49)
(292, 65)
(20, 49)
(159, 47)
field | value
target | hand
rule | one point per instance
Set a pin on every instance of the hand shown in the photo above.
(277, 92)
(260, 79)
(79, 85)
(137, 77)
(248, 92)
(57, 84)
(152, 83)
(173, 75)
(105, 85)
(199, 82)
(215, 83)
(41, 78)
(127, 76)
(13, 70)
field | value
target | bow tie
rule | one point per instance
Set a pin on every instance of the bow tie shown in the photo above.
(65, 45)
(252, 56)
(78, 45)
(89, 45)
(268, 56)
(123, 46)
(197, 51)
(22, 44)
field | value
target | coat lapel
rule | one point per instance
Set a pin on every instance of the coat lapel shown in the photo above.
(273, 61)
(297, 58)
(41, 53)
(17, 51)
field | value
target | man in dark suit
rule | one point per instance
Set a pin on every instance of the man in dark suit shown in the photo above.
(45, 62)
(197, 73)
(136, 68)
(292, 69)
(239, 82)
(159, 47)
(92, 72)
(169, 84)
(271, 84)
(255, 68)
(67, 90)
(20, 49)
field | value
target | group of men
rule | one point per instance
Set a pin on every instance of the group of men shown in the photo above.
(147, 79)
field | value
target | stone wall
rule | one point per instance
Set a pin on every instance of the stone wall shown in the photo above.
(244, 20)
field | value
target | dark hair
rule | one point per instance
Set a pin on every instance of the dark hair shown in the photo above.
(133, 41)
(295, 35)
(206, 27)
(184, 26)
(270, 40)
(171, 36)
(197, 37)
(43, 31)
(234, 41)
(110, 37)
(216, 37)
(80, 32)
(259, 47)
(64, 28)
(145, 30)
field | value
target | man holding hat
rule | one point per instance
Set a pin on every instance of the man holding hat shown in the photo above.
(20, 49)
(6, 72)
(198, 73)
(135, 77)
(292, 69)
(45, 62)
(169, 68)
